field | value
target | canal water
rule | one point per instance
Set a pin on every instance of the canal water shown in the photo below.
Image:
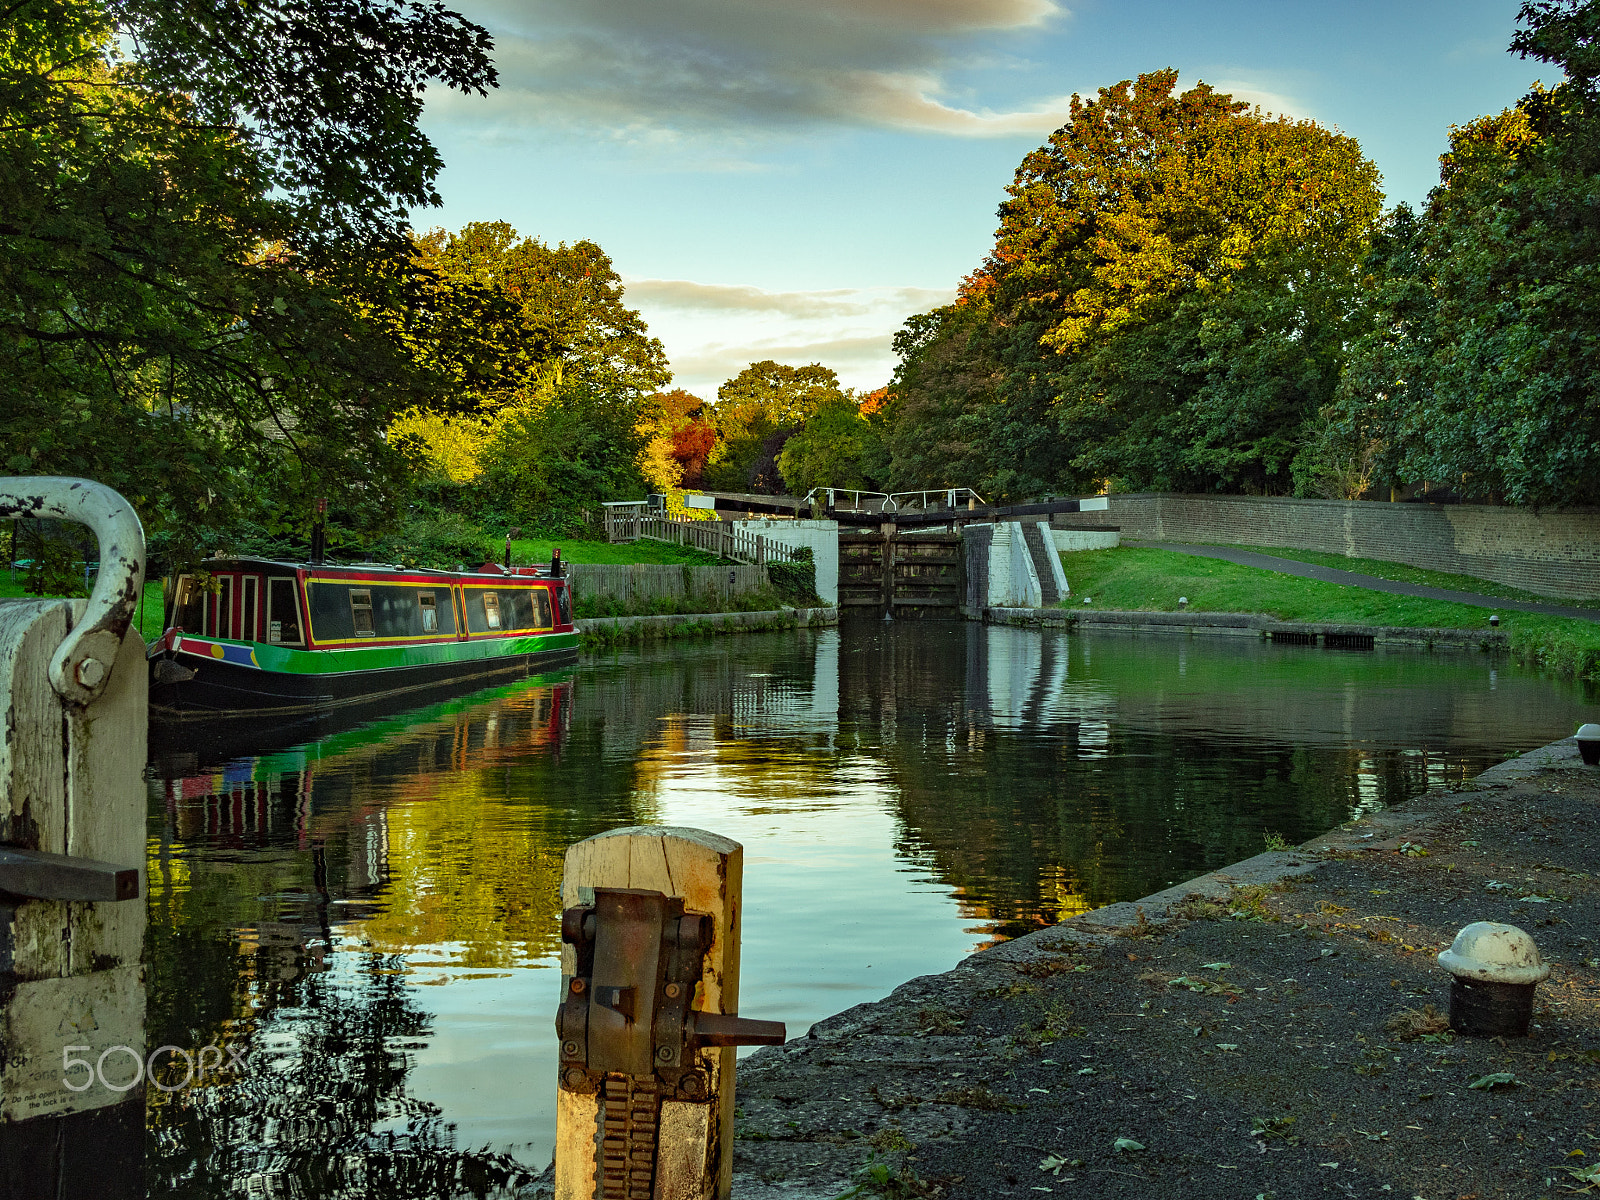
(372, 919)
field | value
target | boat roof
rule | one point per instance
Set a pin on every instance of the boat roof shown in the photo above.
(487, 571)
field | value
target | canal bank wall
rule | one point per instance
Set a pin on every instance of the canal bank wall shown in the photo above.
(1254, 625)
(599, 631)
(1272, 1028)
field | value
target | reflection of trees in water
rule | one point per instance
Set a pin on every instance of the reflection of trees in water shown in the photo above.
(1036, 784)
(246, 866)
(322, 1109)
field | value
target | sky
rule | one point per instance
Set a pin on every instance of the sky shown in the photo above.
(791, 179)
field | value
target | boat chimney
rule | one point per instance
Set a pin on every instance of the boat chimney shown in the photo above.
(319, 532)
(514, 531)
(555, 563)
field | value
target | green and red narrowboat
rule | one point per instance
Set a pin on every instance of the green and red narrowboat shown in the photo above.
(248, 636)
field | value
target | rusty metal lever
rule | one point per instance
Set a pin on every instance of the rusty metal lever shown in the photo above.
(730, 1029)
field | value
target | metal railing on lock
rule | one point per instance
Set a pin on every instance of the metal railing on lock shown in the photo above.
(634, 522)
(859, 500)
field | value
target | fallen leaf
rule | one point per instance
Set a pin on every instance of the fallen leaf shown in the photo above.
(1126, 1145)
(1497, 1079)
(1227, 1045)
(1216, 966)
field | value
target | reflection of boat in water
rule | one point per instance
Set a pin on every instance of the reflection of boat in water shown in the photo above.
(187, 748)
(252, 637)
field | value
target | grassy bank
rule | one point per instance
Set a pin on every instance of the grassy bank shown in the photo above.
(1401, 573)
(149, 616)
(1143, 580)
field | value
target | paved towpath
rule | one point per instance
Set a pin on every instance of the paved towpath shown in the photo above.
(1221, 1041)
(1290, 566)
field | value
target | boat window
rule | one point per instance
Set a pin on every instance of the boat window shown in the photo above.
(491, 609)
(564, 599)
(221, 609)
(361, 612)
(430, 612)
(249, 588)
(283, 614)
(518, 609)
(188, 604)
(541, 608)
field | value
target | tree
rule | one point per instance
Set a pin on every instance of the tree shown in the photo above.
(205, 299)
(551, 407)
(1513, 245)
(1165, 305)
(755, 413)
(838, 447)
(557, 314)
(678, 440)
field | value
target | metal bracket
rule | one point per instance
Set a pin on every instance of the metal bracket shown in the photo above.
(626, 1010)
(81, 665)
(37, 875)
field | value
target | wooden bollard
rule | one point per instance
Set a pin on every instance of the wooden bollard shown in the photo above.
(647, 1024)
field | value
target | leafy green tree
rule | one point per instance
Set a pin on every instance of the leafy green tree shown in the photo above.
(838, 447)
(1165, 306)
(755, 413)
(555, 314)
(555, 382)
(205, 293)
(1513, 245)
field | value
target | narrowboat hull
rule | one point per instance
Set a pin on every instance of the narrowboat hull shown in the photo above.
(242, 679)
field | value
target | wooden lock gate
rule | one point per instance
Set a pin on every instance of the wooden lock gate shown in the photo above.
(904, 575)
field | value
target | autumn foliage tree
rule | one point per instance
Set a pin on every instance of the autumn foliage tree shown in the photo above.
(1166, 304)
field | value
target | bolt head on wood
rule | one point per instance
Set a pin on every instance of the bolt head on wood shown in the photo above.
(90, 672)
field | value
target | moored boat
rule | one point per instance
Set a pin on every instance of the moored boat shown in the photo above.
(250, 636)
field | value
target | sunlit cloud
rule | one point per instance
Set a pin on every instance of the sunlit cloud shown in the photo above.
(1269, 100)
(713, 331)
(654, 74)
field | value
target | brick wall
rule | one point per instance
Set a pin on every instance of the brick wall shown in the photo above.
(638, 583)
(1551, 553)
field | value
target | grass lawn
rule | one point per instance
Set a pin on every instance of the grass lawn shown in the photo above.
(149, 613)
(1143, 580)
(1401, 573)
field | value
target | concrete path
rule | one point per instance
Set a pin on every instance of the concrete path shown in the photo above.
(1290, 566)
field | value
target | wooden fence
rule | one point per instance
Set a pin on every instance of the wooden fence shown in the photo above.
(714, 537)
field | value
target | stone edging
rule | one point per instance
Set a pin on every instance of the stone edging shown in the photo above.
(1243, 625)
(729, 621)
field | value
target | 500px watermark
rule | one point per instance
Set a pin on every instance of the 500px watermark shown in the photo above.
(197, 1065)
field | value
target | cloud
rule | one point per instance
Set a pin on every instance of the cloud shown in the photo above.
(684, 294)
(713, 331)
(1251, 92)
(863, 361)
(657, 73)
